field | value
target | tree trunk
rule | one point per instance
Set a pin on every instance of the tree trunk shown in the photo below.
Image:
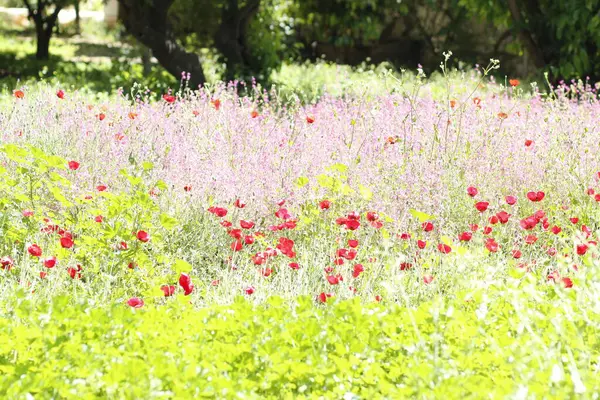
(148, 23)
(525, 35)
(77, 18)
(231, 37)
(43, 44)
(147, 60)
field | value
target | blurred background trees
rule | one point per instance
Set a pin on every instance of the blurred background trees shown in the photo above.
(244, 39)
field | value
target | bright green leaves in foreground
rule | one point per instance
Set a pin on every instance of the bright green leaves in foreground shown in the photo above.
(483, 345)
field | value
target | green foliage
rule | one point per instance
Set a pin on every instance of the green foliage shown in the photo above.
(477, 345)
(41, 183)
(347, 22)
(567, 33)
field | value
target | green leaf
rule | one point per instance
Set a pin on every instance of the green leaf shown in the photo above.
(301, 182)
(421, 216)
(325, 181)
(365, 192)
(147, 165)
(167, 221)
(339, 167)
(182, 266)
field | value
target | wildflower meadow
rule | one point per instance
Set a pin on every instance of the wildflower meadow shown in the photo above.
(409, 238)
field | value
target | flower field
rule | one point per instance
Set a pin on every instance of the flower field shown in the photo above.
(437, 239)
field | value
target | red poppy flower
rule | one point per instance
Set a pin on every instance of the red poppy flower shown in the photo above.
(286, 245)
(487, 230)
(101, 188)
(239, 204)
(421, 244)
(60, 94)
(186, 284)
(142, 236)
(246, 224)
(27, 213)
(254, 114)
(567, 282)
(18, 94)
(353, 243)
(43, 274)
(474, 227)
(481, 206)
(294, 266)
(493, 219)
(352, 224)
(372, 216)
(322, 298)
(444, 248)
(73, 165)
(528, 223)
(405, 266)
(574, 220)
(266, 272)
(75, 273)
(6, 263)
(101, 116)
(472, 191)
(531, 239)
(248, 239)
(187, 188)
(516, 254)
(334, 279)
(427, 279)
(502, 115)
(237, 245)
(168, 290)
(310, 119)
(503, 217)
(283, 213)
(405, 236)
(325, 204)
(465, 236)
(235, 233)
(514, 82)
(556, 230)
(358, 269)
(581, 249)
(66, 242)
(132, 115)
(35, 250)
(510, 200)
(249, 290)
(491, 245)
(49, 262)
(218, 211)
(427, 226)
(535, 196)
(586, 230)
(98, 218)
(135, 302)
(168, 98)
(216, 103)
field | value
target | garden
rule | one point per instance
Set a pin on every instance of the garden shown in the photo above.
(338, 232)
